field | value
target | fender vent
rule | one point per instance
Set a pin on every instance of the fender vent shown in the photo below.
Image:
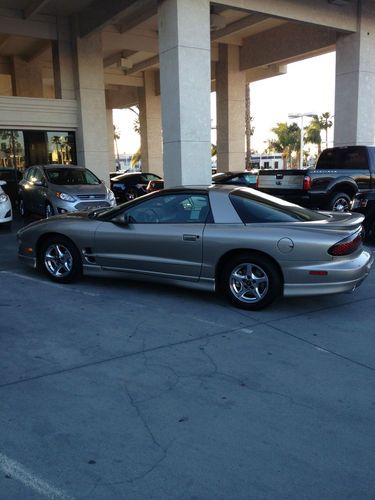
(88, 255)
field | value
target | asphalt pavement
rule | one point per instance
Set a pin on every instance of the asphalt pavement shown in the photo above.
(115, 389)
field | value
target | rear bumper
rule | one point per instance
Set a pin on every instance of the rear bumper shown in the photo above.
(343, 276)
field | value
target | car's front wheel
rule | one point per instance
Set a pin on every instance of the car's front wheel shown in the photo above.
(251, 281)
(131, 194)
(60, 260)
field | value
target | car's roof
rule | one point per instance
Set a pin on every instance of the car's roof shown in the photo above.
(133, 174)
(58, 165)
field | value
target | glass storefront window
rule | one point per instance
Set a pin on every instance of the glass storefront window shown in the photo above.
(61, 147)
(12, 149)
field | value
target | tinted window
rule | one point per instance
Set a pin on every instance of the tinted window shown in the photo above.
(260, 209)
(71, 176)
(170, 209)
(150, 177)
(354, 158)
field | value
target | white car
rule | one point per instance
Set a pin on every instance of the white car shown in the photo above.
(5, 207)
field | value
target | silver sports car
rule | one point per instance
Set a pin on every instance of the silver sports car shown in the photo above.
(251, 246)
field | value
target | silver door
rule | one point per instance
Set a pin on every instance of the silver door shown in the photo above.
(160, 236)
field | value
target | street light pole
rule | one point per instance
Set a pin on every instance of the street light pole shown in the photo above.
(301, 115)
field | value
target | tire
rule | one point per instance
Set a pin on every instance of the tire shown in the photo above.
(131, 194)
(251, 281)
(340, 202)
(22, 208)
(60, 260)
(48, 211)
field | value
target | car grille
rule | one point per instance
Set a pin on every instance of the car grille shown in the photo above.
(91, 196)
(92, 204)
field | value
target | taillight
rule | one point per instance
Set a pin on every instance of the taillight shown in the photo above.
(306, 183)
(347, 245)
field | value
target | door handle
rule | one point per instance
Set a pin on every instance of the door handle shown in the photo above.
(190, 237)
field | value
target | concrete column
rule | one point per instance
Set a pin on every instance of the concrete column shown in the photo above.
(230, 110)
(63, 63)
(27, 78)
(355, 82)
(112, 158)
(184, 44)
(150, 122)
(92, 141)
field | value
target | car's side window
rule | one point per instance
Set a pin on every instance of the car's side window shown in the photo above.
(170, 209)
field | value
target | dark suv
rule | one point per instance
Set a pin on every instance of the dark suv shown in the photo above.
(131, 185)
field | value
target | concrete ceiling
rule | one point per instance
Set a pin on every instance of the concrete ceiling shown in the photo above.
(129, 30)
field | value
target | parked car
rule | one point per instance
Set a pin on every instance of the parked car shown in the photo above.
(6, 215)
(56, 189)
(252, 246)
(237, 178)
(155, 185)
(364, 203)
(12, 176)
(131, 185)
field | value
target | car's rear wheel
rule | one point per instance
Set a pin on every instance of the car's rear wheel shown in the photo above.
(22, 208)
(340, 202)
(251, 281)
(60, 260)
(48, 211)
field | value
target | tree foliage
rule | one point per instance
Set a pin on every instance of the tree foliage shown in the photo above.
(288, 139)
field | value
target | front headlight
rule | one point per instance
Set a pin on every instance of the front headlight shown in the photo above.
(64, 196)
(3, 198)
(110, 195)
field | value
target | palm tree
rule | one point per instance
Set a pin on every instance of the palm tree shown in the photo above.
(56, 140)
(312, 133)
(249, 130)
(325, 120)
(288, 140)
(116, 137)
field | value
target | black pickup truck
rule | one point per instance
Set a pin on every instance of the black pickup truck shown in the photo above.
(340, 173)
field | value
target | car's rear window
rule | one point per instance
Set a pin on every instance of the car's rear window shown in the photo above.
(264, 208)
(351, 158)
(71, 177)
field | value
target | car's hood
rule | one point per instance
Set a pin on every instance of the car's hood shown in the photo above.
(70, 216)
(80, 189)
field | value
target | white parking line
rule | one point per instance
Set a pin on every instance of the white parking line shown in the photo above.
(49, 283)
(16, 471)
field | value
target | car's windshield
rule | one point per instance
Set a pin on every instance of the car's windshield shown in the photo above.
(71, 176)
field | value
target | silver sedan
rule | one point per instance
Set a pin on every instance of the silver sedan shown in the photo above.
(251, 246)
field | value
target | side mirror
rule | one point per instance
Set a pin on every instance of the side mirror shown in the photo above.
(39, 183)
(121, 219)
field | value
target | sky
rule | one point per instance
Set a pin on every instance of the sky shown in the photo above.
(308, 86)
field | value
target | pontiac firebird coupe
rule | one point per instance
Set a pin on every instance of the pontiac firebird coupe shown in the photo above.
(252, 246)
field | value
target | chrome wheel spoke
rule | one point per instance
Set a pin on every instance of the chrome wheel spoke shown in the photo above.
(58, 260)
(249, 282)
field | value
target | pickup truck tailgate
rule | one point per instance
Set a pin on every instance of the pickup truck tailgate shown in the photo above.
(282, 179)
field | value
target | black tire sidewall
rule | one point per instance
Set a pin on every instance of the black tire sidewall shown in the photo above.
(269, 268)
(21, 203)
(336, 197)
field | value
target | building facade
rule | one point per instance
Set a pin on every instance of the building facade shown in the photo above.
(65, 65)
